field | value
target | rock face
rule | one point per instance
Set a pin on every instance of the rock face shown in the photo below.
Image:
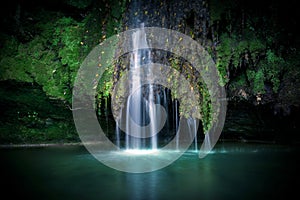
(246, 121)
(262, 117)
(189, 17)
(288, 100)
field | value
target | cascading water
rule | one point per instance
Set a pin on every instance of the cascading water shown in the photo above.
(192, 124)
(142, 105)
(141, 110)
(176, 121)
(141, 114)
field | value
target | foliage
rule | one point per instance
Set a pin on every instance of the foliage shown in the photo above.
(187, 105)
(113, 26)
(60, 132)
(52, 57)
(234, 54)
(205, 109)
(257, 81)
(105, 84)
(273, 67)
(246, 57)
(250, 49)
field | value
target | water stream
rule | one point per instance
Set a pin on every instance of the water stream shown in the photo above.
(146, 102)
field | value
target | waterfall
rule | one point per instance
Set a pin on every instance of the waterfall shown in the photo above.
(176, 120)
(143, 113)
(206, 146)
(192, 125)
(141, 109)
(152, 115)
(117, 135)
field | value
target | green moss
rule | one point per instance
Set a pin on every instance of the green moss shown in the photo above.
(272, 68)
(187, 105)
(258, 82)
(250, 46)
(51, 60)
(239, 83)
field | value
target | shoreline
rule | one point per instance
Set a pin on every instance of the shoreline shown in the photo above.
(37, 145)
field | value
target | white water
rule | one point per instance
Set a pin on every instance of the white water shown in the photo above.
(192, 124)
(176, 120)
(143, 116)
(140, 104)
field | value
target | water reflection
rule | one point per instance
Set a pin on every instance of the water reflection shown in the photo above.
(142, 186)
(245, 171)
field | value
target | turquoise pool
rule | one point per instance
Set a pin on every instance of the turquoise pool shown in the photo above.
(231, 171)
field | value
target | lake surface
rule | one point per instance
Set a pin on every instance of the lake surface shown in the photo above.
(231, 171)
